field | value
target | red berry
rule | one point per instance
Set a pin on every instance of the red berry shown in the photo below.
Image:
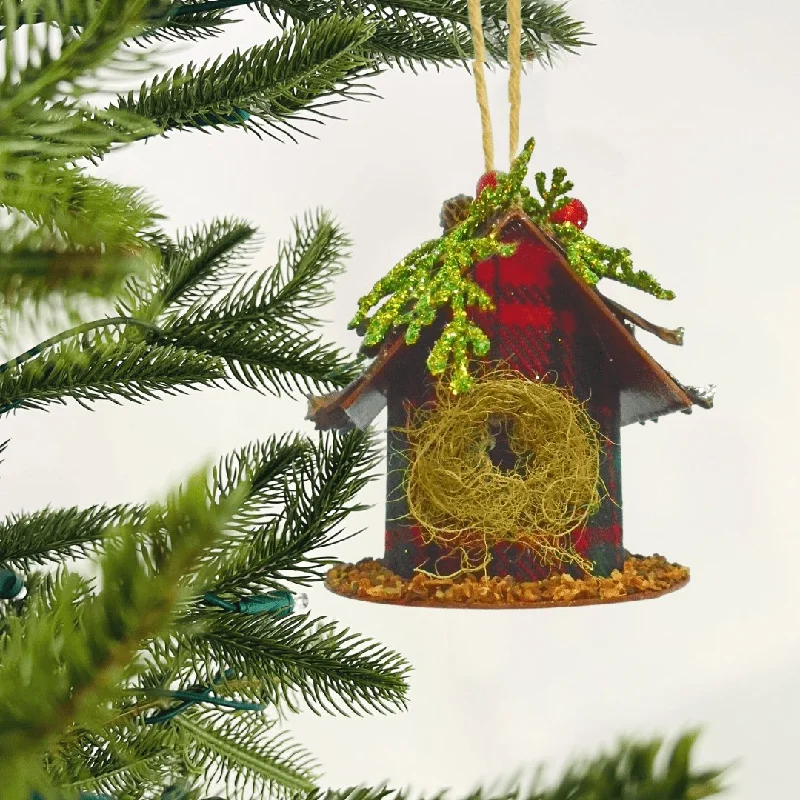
(487, 179)
(574, 212)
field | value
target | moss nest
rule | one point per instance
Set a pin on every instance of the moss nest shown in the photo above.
(640, 578)
(464, 501)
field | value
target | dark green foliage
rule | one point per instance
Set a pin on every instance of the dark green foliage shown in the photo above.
(51, 535)
(93, 764)
(113, 369)
(198, 263)
(409, 34)
(260, 325)
(311, 66)
(29, 273)
(66, 231)
(276, 361)
(299, 494)
(247, 756)
(333, 670)
(35, 74)
(406, 34)
(58, 672)
(81, 209)
(634, 771)
(186, 20)
(293, 290)
(306, 489)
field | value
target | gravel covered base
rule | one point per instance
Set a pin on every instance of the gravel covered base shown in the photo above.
(641, 578)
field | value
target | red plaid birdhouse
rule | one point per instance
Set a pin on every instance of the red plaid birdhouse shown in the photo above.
(507, 377)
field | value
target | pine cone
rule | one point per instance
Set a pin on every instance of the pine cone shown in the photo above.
(454, 211)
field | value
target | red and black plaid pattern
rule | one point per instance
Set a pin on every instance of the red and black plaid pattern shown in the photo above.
(537, 329)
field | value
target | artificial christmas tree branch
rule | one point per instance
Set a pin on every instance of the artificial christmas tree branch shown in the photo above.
(334, 671)
(408, 34)
(265, 479)
(266, 466)
(76, 670)
(69, 234)
(289, 511)
(326, 53)
(630, 771)
(285, 80)
(195, 266)
(42, 77)
(254, 322)
(54, 209)
(108, 370)
(430, 32)
(249, 757)
(249, 334)
(292, 291)
(30, 274)
(78, 330)
(109, 776)
(272, 361)
(75, 210)
(51, 535)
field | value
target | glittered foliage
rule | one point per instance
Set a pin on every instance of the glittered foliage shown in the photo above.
(588, 257)
(436, 275)
(593, 261)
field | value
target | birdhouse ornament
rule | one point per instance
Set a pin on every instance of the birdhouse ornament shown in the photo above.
(506, 375)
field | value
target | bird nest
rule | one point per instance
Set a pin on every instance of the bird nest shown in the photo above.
(466, 502)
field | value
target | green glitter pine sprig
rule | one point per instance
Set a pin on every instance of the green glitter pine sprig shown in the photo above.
(588, 257)
(436, 274)
(593, 261)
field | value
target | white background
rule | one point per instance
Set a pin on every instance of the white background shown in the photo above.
(680, 131)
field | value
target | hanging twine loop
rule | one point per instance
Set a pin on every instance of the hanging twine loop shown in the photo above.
(478, 70)
(514, 17)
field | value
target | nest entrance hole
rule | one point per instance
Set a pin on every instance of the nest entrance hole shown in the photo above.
(499, 450)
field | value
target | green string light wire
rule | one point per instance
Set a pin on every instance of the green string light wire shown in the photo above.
(11, 584)
(84, 328)
(280, 603)
(199, 694)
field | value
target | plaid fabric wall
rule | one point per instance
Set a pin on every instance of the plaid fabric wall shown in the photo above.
(537, 329)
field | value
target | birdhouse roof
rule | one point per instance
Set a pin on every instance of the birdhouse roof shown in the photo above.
(647, 390)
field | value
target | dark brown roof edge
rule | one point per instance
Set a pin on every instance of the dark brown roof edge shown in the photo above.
(329, 411)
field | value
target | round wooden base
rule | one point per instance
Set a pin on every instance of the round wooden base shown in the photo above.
(641, 578)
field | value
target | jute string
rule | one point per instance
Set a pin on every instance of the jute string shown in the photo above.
(476, 25)
(514, 17)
